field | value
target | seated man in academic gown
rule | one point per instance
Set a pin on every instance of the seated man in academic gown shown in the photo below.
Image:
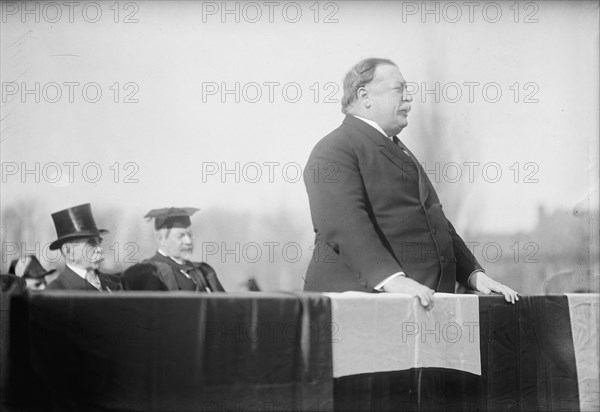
(170, 268)
(79, 241)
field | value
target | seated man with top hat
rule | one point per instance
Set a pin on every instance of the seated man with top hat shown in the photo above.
(31, 270)
(79, 241)
(171, 268)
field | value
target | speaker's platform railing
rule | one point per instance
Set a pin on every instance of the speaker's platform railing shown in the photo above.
(285, 351)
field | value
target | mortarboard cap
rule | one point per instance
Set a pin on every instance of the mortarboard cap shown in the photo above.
(170, 217)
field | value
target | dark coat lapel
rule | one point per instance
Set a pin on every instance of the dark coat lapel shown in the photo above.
(387, 148)
(210, 276)
(201, 273)
(396, 155)
(76, 281)
(424, 182)
(109, 283)
(69, 280)
(158, 257)
(167, 277)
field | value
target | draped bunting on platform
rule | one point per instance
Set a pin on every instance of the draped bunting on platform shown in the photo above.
(528, 362)
(583, 309)
(181, 351)
(379, 333)
(273, 351)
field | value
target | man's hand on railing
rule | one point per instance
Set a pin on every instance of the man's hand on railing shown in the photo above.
(484, 284)
(410, 287)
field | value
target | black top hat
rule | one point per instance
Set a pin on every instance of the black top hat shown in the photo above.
(33, 268)
(74, 223)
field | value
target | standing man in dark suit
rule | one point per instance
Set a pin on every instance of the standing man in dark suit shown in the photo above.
(378, 221)
(79, 241)
(170, 268)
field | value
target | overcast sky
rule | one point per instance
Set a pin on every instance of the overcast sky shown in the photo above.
(153, 110)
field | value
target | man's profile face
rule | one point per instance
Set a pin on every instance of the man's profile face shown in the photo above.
(176, 242)
(389, 102)
(84, 253)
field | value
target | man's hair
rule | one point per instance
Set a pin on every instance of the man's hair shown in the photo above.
(164, 232)
(360, 74)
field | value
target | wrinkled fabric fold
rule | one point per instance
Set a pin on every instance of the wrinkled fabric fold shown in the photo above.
(583, 309)
(386, 332)
(183, 352)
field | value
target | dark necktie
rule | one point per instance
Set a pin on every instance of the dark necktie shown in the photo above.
(398, 143)
(423, 179)
(196, 275)
(93, 279)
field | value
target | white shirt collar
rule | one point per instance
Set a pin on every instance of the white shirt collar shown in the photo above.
(94, 280)
(80, 271)
(373, 124)
(179, 261)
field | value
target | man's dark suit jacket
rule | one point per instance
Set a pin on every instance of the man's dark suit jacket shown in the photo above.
(376, 213)
(166, 275)
(69, 280)
(12, 284)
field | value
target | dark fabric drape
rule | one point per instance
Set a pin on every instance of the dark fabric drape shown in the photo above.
(528, 360)
(181, 351)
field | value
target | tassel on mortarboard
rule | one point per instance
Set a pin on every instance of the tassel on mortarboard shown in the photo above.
(170, 217)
